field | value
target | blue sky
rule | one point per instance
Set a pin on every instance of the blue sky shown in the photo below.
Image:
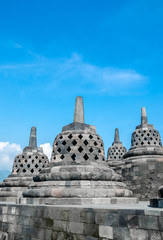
(109, 52)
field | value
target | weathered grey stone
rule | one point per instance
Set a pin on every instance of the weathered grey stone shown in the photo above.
(106, 231)
(78, 173)
(26, 165)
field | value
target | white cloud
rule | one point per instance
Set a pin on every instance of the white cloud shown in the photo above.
(47, 148)
(63, 73)
(7, 154)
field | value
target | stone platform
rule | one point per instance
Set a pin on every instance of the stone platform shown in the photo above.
(44, 222)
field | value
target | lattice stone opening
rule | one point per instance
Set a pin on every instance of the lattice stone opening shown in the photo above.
(68, 149)
(62, 157)
(96, 157)
(64, 143)
(90, 136)
(95, 143)
(70, 136)
(91, 150)
(80, 149)
(74, 142)
(73, 157)
(80, 136)
(86, 157)
(85, 142)
(59, 150)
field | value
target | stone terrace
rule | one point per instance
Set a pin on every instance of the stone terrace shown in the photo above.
(43, 222)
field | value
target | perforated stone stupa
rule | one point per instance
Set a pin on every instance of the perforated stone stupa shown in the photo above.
(78, 172)
(26, 165)
(117, 150)
(115, 153)
(143, 169)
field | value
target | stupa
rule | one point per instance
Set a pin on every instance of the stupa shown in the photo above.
(78, 172)
(26, 165)
(143, 169)
(116, 152)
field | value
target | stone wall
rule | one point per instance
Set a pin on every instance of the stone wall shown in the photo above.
(143, 175)
(24, 222)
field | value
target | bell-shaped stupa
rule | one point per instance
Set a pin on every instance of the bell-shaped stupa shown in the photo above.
(143, 169)
(26, 165)
(78, 172)
(117, 150)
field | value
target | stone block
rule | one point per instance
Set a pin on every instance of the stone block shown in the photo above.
(148, 222)
(106, 232)
(91, 230)
(73, 227)
(121, 233)
(155, 235)
(139, 234)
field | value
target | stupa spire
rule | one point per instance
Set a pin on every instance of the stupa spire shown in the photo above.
(144, 120)
(33, 138)
(116, 136)
(79, 110)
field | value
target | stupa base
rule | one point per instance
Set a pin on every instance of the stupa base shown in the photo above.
(79, 201)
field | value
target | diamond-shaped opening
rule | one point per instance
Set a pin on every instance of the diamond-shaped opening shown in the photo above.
(40, 161)
(91, 150)
(26, 160)
(62, 156)
(28, 165)
(64, 143)
(36, 166)
(101, 145)
(43, 157)
(73, 157)
(80, 136)
(99, 151)
(85, 142)
(21, 165)
(95, 143)
(96, 157)
(98, 138)
(29, 156)
(59, 150)
(39, 170)
(17, 170)
(74, 142)
(70, 136)
(19, 160)
(103, 159)
(56, 144)
(36, 157)
(61, 137)
(22, 156)
(33, 161)
(85, 157)
(142, 143)
(15, 165)
(145, 138)
(32, 171)
(80, 149)
(149, 143)
(90, 136)
(68, 149)
(24, 170)
(43, 166)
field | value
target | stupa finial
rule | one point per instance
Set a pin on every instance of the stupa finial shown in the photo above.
(33, 138)
(144, 120)
(116, 136)
(79, 110)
